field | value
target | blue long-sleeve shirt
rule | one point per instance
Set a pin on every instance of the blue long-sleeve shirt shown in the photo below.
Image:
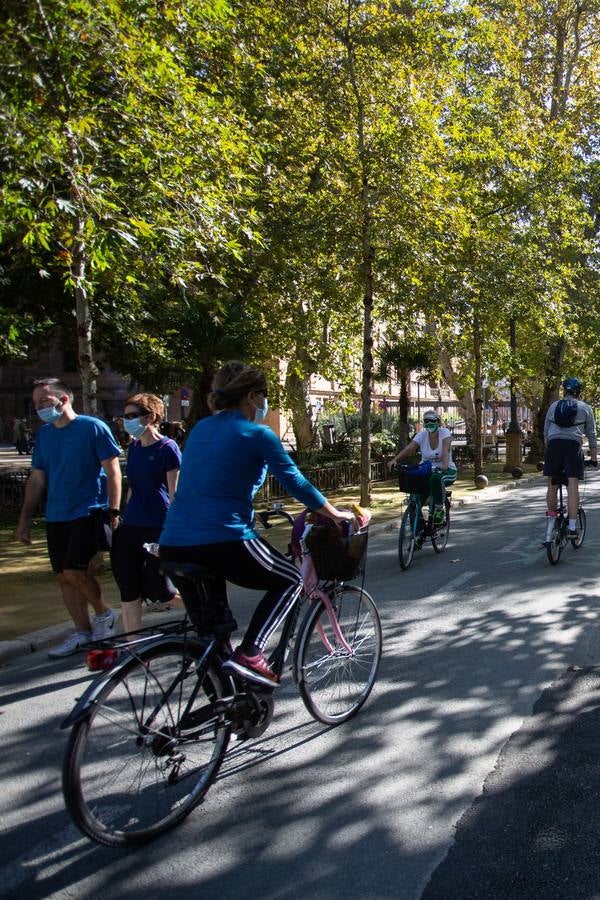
(224, 464)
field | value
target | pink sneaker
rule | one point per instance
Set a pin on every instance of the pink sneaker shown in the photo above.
(255, 668)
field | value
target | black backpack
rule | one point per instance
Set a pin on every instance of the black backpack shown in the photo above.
(565, 413)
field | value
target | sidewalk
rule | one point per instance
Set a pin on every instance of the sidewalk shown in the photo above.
(11, 460)
(42, 595)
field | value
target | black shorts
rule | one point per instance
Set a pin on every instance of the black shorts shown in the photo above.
(563, 457)
(71, 545)
(135, 570)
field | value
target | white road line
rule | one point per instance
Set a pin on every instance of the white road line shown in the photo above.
(511, 547)
(451, 587)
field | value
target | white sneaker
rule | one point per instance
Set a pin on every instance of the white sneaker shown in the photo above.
(76, 641)
(103, 626)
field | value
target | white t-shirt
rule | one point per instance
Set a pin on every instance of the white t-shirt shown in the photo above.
(428, 452)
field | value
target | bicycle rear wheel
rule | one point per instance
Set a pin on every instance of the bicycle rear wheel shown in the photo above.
(334, 680)
(148, 750)
(554, 545)
(406, 537)
(581, 526)
(439, 538)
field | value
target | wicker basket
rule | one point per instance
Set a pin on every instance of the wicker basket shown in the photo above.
(334, 556)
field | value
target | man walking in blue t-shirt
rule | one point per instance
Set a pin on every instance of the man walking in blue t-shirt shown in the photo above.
(76, 459)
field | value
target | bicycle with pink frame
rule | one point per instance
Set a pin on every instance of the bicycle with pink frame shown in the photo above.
(149, 735)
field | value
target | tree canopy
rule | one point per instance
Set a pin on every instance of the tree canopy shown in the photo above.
(289, 179)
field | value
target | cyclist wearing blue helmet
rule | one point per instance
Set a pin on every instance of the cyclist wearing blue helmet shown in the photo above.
(567, 422)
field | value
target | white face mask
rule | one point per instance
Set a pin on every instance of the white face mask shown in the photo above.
(261, 411)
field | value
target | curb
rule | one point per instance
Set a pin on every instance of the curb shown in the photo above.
(45, 637)
(483, 494)
(34, 640)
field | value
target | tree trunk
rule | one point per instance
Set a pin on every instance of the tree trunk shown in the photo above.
(465, 398)
(368, 256)
(561, 84)
(403, 375)
(556, 355)
(201, 388)
(88, 369)
(85, 358)
(478, 397)
(297, 388)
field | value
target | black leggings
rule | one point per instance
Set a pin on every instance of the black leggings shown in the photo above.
(251, 564)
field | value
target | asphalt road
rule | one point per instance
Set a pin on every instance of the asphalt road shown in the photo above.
(472, 640)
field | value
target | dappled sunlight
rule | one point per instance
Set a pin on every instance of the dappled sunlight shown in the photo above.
(326, 809)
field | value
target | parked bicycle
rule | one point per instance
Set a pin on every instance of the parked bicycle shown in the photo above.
(149, 735)
(559, 539)
(417, 526)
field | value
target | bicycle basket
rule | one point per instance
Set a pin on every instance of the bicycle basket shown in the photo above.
(336, 557)
(414, 479)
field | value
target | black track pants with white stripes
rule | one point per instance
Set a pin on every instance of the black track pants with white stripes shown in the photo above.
(251, 564)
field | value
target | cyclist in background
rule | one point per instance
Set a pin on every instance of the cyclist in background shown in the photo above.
(566, 423)
(211, 519)
(435, 445)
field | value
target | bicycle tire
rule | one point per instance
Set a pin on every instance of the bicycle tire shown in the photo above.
(554, 545)
(132, 769)
(406, 537)
(439, 538)
(581, 527)
(333, 683)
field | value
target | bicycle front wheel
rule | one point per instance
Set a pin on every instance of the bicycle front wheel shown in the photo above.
(335, 677)
(439, 538)
(148, 750)
(581, 526)
(554, 545)
(406, 538)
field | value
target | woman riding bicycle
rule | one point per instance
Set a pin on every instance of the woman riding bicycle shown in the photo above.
(211, 519)
(435, 446)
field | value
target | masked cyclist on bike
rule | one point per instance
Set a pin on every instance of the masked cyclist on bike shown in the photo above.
(435, 445)
(566, 423)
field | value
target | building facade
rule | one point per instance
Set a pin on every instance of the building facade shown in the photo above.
(16, 381)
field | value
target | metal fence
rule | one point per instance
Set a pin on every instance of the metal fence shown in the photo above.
(12, 484)
(12, 491)
(330, 479)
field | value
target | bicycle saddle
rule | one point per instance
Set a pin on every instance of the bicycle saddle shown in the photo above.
(193, 571)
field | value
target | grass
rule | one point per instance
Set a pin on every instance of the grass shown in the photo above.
(30, 596)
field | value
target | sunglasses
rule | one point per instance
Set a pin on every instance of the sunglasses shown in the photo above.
(136, 415)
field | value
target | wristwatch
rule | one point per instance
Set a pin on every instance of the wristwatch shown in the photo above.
(114, 512)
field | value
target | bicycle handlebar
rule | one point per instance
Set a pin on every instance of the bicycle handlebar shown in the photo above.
(267, 514)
